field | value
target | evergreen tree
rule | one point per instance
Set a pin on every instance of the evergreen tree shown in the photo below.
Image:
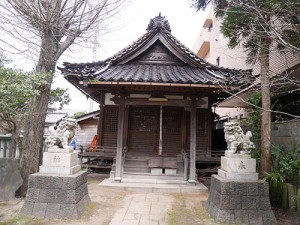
(257, 25)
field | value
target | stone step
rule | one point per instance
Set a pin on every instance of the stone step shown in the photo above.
(153, 186)
(150, 176)
(137, 169)
(152, 181)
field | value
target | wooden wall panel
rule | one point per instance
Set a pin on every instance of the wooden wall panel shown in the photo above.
(171, 131)
(86, 130)
(204, 132)
(110, 126)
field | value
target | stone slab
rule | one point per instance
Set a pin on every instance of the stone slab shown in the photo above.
(59, 170)
(240, 165)
(156, 171)
(170, 171)
(60, 150)
(238, 176)
(10, 178)
(242, 156)
(60, 159)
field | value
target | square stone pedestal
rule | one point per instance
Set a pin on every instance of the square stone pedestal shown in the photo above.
(56, 196)
(240, 202)
(239, 167)
(59, 190)
(60, 161)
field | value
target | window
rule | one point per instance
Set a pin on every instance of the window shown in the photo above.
(218, 61)
(210, 27)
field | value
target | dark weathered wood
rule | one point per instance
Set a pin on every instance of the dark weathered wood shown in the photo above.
(209, 139)
(100, 121)
(143, 136)
(160, 145)
(171, 137)
(169, 102)
(126, 119)
(183, 130)
(118, 173)
(193, 142)
(110, 126)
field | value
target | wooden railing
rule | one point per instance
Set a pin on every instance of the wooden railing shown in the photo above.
(96, 156)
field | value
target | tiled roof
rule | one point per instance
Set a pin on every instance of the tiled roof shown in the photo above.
(162, 74)
(52, 118)
(123, 66)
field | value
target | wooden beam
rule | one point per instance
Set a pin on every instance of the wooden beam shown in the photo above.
(171, 102)
(192, 174)
(152, 84)
(120, 138)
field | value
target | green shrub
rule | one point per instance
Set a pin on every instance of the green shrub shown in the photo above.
(275, 181)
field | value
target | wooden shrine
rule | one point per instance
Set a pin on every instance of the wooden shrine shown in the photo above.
(155, 101)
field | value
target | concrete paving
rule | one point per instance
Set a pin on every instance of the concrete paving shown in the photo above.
(154, 186)
(150, 202)
(143, 209)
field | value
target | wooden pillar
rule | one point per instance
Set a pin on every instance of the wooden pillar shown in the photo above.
(160, 132)
(183, 130)
(183, 145)
(192, 173)
(101, 117)
(118, 172)
(126, 119)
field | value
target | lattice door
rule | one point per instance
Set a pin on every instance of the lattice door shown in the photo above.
(110, 126)
(171, 138)
(143, 133)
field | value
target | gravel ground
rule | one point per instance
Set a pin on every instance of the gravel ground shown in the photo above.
(187, 208)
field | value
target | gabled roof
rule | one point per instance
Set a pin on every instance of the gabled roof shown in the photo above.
(89, 115)
(54, 117)
(156, 57)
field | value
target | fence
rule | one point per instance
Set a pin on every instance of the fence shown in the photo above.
(8, 147)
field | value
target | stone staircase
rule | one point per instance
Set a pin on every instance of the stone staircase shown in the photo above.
(137, 169)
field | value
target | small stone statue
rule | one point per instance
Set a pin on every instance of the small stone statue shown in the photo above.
(62, 135)
(237, 140)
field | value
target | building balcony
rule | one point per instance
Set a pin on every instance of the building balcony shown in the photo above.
(204, 43)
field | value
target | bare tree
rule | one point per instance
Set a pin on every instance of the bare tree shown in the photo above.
(49, 27)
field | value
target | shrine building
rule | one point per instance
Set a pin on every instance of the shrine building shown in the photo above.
(156, 100)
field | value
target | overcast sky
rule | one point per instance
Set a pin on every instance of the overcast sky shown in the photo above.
(185, 25)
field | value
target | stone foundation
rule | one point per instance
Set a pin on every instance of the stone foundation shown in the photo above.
(240, 202)
(56, 196)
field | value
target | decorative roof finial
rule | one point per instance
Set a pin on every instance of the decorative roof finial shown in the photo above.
(159, 22)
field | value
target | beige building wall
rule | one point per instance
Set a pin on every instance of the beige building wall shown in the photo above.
(218, 52)
(212, 46)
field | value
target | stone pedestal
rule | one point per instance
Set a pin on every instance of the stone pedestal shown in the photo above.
(56, 196)
(237, 196)
(241, 202)
(60, 161)
(238, 167)
(59, 190)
